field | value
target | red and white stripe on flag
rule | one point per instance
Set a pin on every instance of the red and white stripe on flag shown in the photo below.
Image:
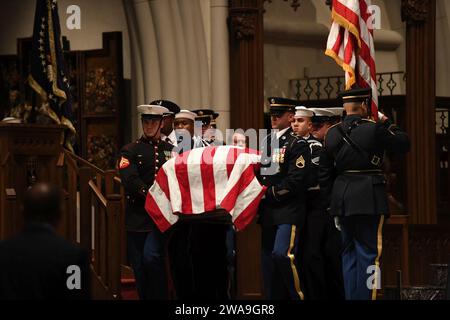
(203, 180)
(351, 45)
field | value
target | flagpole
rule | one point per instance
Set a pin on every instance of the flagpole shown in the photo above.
(33, 113)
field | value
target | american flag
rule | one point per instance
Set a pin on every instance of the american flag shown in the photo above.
(203, 180)
(351, 45)
(48, 71)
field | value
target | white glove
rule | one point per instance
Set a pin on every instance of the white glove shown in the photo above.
(381, 116)
(337, 223)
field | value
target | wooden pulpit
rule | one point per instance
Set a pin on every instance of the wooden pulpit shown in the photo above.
(31, 153)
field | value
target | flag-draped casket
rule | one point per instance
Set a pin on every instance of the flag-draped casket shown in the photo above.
(204, 180)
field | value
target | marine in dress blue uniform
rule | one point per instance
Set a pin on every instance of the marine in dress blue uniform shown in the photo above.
(355, 188)
(139, 164)
(285, 165)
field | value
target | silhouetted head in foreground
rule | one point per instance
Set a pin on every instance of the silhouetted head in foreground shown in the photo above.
(43, 203)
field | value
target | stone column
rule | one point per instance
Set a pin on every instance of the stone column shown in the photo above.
(145, 59)
(194, 41)
(220, 63)
(167, 48)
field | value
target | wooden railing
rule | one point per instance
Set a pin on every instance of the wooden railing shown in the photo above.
(101, 223)
(31, 153)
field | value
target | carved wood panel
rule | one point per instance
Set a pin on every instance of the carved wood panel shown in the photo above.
(427, 245)
(96, 83)
(247, 111)
(415, 12)
(420, 111)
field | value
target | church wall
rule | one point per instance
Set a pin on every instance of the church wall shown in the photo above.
(171, 48)
(96, 17)
(287, 57)
(167, 52)
(294, 45)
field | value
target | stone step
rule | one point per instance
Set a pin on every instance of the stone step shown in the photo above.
(439, 274)
(415, 293)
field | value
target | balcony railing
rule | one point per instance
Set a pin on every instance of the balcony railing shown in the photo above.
(325, 88)
(442, 116)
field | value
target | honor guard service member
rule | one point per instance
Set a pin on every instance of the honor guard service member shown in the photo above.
(167, 131)
(207, 118)
(184, 126)
(285, 165)
(352, 180)
(320, 249)
(210, 133)
(198, 266)
(138, 166)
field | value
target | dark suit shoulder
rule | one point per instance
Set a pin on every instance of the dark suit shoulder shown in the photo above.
(300, 140)
(333, 128)
(332, 135)
(38, 242)
(295, 141)
(35, 265)
(299, 145)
